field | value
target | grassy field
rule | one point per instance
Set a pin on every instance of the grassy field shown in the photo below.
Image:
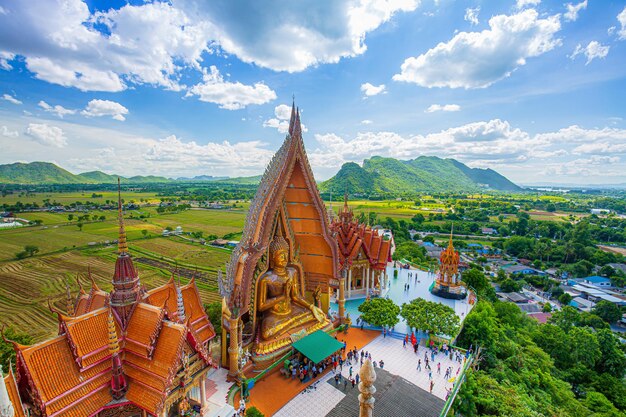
(186, 253)
(71, 197)
(394, 209)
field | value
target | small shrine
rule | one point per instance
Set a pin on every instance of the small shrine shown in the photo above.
(448, 282)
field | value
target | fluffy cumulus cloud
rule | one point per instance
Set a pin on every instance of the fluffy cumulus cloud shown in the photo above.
(446, 107)
(5, 57)
(230, 95)
(593, 50)
(99, 108)
(292, 36)
(11, 99)
(47, 135)
(143, 44)
(471, 15)
(621, 18)
(366, 122)
(56, 109)
(6, 132)
(479, 59)
(524, 3)
(571, 15)
(573, 150)
(372, 90)
(280, 121)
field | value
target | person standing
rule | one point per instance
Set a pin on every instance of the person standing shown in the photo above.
(419, 365)
(432, 384)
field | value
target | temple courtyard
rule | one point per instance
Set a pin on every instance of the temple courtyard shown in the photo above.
(399, 386)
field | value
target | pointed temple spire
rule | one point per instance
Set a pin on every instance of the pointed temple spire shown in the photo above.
(126, 289)
(179, 303)
(292, 119)
(346, 214)
(122, 246)
(118, 381)
(297, 128)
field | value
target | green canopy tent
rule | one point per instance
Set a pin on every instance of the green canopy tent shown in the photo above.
(317, 346)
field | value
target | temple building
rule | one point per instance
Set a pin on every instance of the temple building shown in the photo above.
(130, 352)
(279, 280)
(448, 282)
(364, 252)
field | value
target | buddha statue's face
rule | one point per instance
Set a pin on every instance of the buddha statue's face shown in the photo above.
(281, 258)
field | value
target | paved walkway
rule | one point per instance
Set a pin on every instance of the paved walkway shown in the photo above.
(397, 361)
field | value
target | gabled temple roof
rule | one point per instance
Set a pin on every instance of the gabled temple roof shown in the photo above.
(288, 187)
(354, 238)
(14, 395)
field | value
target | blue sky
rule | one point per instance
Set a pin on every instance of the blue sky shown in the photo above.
(533, 89)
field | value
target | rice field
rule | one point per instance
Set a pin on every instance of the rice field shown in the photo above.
(26, 286)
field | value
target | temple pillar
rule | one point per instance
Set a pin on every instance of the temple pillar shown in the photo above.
(342, 299)
(203, 399)
(143, 413)
(349, 283)
(367, 281)
(233, 349)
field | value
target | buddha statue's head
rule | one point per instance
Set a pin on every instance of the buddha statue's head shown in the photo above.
(279, 252)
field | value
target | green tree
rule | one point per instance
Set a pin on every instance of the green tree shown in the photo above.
(546, 308)
(70, 217)
(7, 353)
(608, 311)
(80, 226)
(509, 285)
(144, 232)
(380, 312)
(31, 250)
(436, 318)
(214, 311)
(429, 238)
(475, 279)
(254, 412)
(612, 358)
(565, 299)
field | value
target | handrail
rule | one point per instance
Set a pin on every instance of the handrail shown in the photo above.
(456, 387)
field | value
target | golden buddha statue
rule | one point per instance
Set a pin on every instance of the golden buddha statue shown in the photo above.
(280, 297)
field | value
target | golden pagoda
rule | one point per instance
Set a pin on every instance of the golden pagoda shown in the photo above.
(278, 282)
(448, 282)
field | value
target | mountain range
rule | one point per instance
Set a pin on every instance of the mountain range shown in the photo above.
(423, 174)
(377, 175)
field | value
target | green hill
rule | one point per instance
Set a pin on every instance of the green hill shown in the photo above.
(49, 173)
(423, 174)
(36, 173)
(98, 177)
(255, 180)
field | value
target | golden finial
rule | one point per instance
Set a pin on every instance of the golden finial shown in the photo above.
(114, 344)
(122, 247)
(451, 232)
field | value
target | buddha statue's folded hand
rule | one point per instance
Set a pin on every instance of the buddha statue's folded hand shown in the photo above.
(317, 313)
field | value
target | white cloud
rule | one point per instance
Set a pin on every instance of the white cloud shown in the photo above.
(523, 3)
(99, 108)
(571, 15)
(282, 114)
(479, 59)
(229, 95)
(145, 44)
(5, 57)
(372, 90)
(593, 50)
(5, 131)
(57, 109)
(11, 99)
(621, 18)
(366, 122)
(47, 135)
(292, 36)
(471, 15)
(446, 107)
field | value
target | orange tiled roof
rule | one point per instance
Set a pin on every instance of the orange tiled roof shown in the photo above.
(165, 295)
(143, 329)
(88, 336)
(197, 317)
(58, 380)
(352, 237)
(14, 395)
